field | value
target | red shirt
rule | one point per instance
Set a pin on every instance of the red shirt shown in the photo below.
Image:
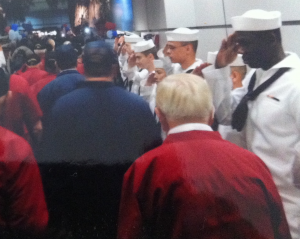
(38, 86)
(21, 186)
(17, 112)
(18, 84)
(80, 68)
(33, 75)
(199, 186)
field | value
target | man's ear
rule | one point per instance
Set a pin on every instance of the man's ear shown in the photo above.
(189, 48)
(233, 75)
(151, 57)
(211, 117)
(270, 38)
(162, 119)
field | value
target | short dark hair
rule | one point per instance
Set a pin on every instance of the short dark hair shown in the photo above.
(32, 60)
(264, 34)
(276, 33)
(66, 57)
(152, 51)
(241, 69)
(98, 59)
(193, 43)
(50, 60)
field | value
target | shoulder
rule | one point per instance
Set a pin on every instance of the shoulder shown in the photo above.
(70, 102)
(13, 148)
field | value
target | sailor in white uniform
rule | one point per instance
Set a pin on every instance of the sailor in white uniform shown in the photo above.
(126, 53)
(181, 48)
(142, 57)
(238, 71)
(267, 107)
(148, 89)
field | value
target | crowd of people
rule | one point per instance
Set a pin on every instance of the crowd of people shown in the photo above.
(123, 142)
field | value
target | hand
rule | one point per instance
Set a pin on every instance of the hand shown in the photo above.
(198, 70)
(131, 60)
(128, 49)
(123, 49)
(228, 52)
(151, 79)
(121, 40)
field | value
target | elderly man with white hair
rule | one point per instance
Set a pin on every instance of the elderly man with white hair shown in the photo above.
(197, 185)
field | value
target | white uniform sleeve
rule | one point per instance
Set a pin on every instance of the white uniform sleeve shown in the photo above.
(2, 59)
(168, 65)
(220, 85)
(135, 75)
(225, 100)
(122, 59)
(148, 92)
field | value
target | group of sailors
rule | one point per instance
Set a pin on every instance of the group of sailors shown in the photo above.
(84, 132)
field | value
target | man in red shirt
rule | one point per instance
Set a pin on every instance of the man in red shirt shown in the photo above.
(23, 208)
(33, 73)
(197, 185)
(51, 68)
(17, 110)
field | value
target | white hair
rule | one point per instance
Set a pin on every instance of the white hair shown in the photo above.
(184, 97)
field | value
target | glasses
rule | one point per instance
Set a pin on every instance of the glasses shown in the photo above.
(172, 48)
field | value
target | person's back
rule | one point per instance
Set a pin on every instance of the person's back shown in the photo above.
(197, 185)
(65, 82)
(33, 73)
(94, 135)
(51, 68)
(23, 207)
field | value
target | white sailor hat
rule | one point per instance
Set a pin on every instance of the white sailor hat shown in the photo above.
(143, 46)
(211, 57)
(160, 53)
(238, 61)
(182, 34)
(158, 64)
(133, 38)
(257, 20)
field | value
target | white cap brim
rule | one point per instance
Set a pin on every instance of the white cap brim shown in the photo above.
(257, 20)
(158, 64)
(182, 35)
(211, 57)
(133, 39)
(143, 46)
(238, 61)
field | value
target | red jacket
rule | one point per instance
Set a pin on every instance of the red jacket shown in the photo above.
(22, 201)
(197, 185)
(33, 75)
(18, 111)
(38, 86)
(18, 84)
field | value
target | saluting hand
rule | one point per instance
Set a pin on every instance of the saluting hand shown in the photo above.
(131, 60)
(123, 49)
(151, 79)
(228, 51)
(198, 70)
